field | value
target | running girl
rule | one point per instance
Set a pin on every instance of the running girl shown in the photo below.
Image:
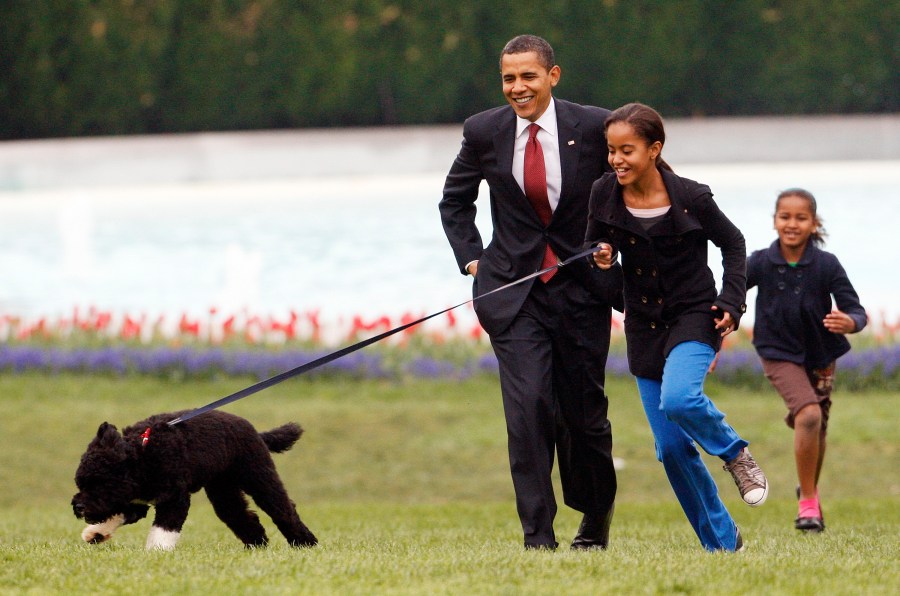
(799, 335)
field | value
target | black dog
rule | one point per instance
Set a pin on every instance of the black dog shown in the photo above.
(152, 463)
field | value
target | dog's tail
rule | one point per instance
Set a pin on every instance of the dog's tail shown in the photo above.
(282, 438)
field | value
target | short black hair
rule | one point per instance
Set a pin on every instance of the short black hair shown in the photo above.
(531, 43)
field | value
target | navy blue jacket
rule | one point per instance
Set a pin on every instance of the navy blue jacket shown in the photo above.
(669, 287)
(792, 303)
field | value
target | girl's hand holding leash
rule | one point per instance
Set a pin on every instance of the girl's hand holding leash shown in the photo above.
(604, 258)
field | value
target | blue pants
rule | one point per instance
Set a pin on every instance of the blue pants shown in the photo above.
(680, 414)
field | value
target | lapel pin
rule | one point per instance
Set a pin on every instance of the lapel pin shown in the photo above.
(571, 142)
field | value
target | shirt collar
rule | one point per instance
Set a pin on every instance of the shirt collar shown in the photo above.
(547, 121)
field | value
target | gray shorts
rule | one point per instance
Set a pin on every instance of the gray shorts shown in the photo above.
(800, 387)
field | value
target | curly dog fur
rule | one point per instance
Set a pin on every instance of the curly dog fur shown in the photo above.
(122, 474)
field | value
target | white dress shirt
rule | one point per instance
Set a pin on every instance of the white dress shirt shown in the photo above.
(549, 139)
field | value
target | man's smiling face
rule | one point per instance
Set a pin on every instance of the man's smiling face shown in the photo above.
(527, 84)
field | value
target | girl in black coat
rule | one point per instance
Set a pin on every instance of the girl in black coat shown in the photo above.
(799, 336)
(674, 317)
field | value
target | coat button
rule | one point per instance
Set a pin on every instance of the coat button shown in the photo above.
(797, 290)
(639, 271)
(781, 269)
(743, 308)
(644, 299)
(659, 300)
(781, 285)
(631, 240)
(652, 325)
(653, 272)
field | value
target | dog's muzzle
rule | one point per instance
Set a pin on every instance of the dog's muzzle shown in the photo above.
(81, 512)
(78, 509)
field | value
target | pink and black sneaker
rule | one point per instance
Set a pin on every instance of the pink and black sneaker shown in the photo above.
(809, 518)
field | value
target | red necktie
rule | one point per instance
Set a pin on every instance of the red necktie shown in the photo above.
(536, 191)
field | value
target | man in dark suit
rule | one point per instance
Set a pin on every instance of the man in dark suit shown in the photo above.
(551, 336)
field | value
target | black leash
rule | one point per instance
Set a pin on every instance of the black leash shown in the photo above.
(303, 368)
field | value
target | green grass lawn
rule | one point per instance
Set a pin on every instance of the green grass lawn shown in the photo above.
(407, 487)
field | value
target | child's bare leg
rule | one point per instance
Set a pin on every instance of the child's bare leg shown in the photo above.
(808, 448)
(822, 444)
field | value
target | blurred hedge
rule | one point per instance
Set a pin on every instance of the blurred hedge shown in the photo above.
(85, 67)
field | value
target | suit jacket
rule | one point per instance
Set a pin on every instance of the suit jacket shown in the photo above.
(517, 246)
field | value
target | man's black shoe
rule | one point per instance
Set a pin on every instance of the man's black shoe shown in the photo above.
(593, 531)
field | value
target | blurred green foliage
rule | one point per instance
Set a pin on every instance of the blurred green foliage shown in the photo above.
(90, 67)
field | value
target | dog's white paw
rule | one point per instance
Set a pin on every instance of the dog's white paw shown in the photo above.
(97, 533)
(162, 539)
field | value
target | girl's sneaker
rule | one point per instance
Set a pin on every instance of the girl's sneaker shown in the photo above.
(810, 524)
(810, 518)
(749, 478)
(738, 541)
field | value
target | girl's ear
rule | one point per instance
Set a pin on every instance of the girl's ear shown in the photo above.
(655, 149)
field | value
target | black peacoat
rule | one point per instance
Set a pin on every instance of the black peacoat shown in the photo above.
(793, 301)
(669, 287)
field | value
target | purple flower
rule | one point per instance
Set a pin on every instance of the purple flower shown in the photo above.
(860, 368)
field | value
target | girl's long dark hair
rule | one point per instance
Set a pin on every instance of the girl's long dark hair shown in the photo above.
(647, 124)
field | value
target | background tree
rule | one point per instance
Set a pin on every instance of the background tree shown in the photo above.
(90, 67)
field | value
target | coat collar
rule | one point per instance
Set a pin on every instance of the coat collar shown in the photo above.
(681, 197)
(775, 256)
(681, 192)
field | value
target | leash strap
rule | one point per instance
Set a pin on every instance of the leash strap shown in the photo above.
(313, 364)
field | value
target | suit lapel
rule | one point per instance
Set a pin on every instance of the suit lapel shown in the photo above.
(504, 146)
(504, 141)
(569, 136)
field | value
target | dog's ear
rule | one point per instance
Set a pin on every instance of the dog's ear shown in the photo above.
(108, 435)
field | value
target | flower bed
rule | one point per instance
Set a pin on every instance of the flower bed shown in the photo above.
(258, 347)
(875, 367)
